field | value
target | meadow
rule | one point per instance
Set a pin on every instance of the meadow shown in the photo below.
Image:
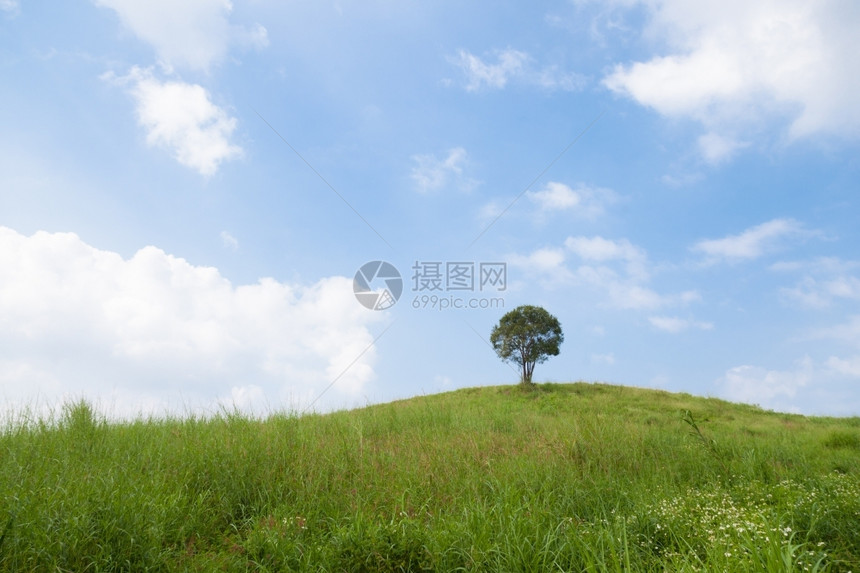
(564, 477)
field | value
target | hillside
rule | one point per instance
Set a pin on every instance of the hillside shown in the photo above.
(567, 477)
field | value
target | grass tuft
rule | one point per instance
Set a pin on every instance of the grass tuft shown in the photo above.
(842, 439)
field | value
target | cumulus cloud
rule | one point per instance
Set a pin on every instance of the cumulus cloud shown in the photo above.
(812, 292)
(431, 173)
(154, 332)
(808, 387)
(599, 249)
(825, 281)
(840, 367)
(192, 33)
(674, 324)
(555, 196)
(584, 199)
(616, 269)
(750, 244)
(733, 66)
(181, 118)
(849, 367)
(548, 263)
(767, 388)
(625, 295)
(513, 65)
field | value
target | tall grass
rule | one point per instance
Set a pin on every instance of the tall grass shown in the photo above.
(568, 477)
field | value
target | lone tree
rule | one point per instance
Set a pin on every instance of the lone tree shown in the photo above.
(527, 335)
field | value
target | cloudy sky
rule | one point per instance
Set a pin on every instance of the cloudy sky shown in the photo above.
(188, 189)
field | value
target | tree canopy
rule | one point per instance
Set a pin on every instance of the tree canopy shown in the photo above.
(527, 335)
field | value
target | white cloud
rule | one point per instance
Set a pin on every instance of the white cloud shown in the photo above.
(156, 332)
(9, 6)
(734, 65)
(547, 263)
(492, 209)
(585, 200)
(624, 295)
(750, 244)
(843, 287)
(181, 118)
(817, 265)
(827, 389)
(807, 293)
(251, 399)
(845, 367)
(547, 259)
(229, 241)
(848, 332)
(689, 296)
(598, 249)
(553, 78)
(826, 280)
(767, 388)
(812, 293)
(555, 196)
(479, 74)
(191, 33)
(675, 325)
(717, 148)
(256, 37)
(607, 359)
(617, 270)
(681, 179)
(431, 173)
(582, 200)
(513, 65)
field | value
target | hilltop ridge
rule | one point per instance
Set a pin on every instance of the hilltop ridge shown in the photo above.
(562, 477)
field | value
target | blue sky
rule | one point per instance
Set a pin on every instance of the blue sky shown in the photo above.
(188, 189)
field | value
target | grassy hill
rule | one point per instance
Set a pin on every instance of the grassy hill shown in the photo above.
(567, 477)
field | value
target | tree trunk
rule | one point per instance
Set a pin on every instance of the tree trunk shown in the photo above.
(528, 369)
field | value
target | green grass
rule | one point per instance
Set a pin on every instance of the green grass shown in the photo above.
(567, 477)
